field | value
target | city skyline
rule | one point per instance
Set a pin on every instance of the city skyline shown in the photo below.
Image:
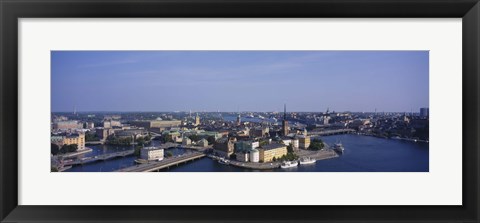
(239, 81)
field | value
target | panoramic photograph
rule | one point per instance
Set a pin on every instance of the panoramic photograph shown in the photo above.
(239, 111)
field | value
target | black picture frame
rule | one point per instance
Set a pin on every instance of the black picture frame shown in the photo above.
(11, 11)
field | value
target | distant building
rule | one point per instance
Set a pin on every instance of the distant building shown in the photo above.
(242, 156)
(129, 133)
(239, 120)
(295, 143)
(202, 143)
(424, 112)
(186, 141)
(77, 138)
(151, 153)
(304, 141)
(66, 125)
(259, 131)
(270, 151)
(111, 123)
(173, 136)
(285, 130)
(103, 133)
(158, 125)
(197, 120)
(90, 125)
(224, 147)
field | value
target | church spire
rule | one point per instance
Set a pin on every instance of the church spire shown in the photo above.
(284, 111)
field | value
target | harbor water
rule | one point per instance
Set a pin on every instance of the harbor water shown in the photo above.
(362, 154)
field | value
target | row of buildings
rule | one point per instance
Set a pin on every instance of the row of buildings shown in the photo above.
(252, 151)
(69, 139)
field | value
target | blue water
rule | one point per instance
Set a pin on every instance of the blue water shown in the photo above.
(362, 154)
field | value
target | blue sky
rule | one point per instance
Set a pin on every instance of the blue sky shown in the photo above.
(239, 80)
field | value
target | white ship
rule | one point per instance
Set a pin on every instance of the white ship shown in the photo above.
(289, 164)
(224, 161)
(307, 160)
(338, 147)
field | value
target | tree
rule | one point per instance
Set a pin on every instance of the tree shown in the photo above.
(274, 159)
(166, 138)
(316, 144)
(290, 148)
(168, 154)
(68, 148)
(211, 140)
(137, 150)
(54, 149)
(91, 137)
(194, 138)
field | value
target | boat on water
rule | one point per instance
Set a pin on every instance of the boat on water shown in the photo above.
(307, 160)
(289, 164)
(338, 147)
(224, 161)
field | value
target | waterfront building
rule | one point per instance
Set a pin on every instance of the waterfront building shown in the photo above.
(242, 156)
(57, 140)
(103, 133)
(270, 151)
(295, 143)
(255, 145)
(76, 138)
(303, 141)
(224, 147)
(151, 153)
(186, 141)
(173, 136)
(254, 156)
(284, 121)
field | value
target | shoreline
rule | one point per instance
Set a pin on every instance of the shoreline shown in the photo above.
(324, 154)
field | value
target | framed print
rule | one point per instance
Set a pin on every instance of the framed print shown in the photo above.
(239, 111)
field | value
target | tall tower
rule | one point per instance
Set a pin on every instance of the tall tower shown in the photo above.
(285, 122)
(239, 120)
(197, 120)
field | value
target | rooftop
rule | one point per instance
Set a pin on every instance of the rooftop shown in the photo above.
(272, 146)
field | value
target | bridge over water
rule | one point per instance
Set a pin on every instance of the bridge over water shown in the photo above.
(100, 157)
(331, 132)
(165, 163)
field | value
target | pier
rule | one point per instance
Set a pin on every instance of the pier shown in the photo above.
(165, 163)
